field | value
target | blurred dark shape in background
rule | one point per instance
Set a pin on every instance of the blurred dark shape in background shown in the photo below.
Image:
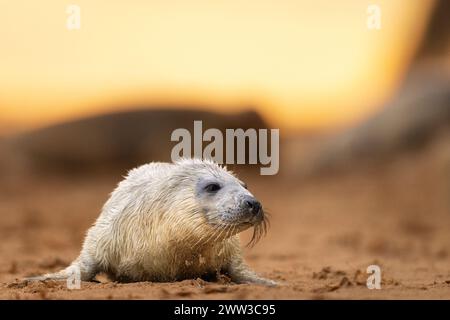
(436, 39)
(116, 141)
(416, 116)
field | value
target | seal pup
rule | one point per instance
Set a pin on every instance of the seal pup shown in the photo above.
(168, 222)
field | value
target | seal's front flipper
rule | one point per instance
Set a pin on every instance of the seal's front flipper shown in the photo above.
(241, 273)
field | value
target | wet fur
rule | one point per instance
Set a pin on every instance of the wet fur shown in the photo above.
(152, 228)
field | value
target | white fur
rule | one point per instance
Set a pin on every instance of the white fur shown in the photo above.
(152, 229)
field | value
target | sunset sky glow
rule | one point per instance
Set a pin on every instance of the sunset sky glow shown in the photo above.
(302, 64)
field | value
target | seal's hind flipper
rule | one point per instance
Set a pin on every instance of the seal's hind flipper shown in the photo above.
(62, 275)
(81, 269)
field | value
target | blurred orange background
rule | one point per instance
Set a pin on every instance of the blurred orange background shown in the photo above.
(302, 64)
(364, 150)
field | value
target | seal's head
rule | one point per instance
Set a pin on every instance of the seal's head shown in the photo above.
(224, 200)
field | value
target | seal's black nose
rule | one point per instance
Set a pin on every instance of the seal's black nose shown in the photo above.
(254, 205)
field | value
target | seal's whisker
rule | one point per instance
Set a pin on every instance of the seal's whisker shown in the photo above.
(209, 237)
(199, 241)
(233, 228)
(188, 236)
(266, 219)
(223, 227)
(217, 232)
(227, 234)
(259, 231)
(220, 233)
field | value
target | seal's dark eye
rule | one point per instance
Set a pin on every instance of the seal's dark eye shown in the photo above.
(212, 187)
